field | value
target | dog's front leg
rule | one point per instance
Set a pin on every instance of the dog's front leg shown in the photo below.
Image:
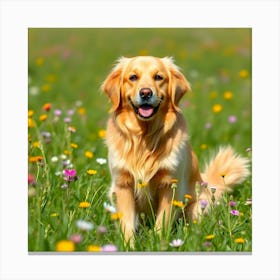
(124, 192)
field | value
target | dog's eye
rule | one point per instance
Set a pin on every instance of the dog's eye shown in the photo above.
(133, 78)
(158, 77)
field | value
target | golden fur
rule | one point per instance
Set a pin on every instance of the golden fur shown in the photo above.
(148, 146)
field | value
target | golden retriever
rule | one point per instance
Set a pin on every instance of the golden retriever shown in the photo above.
(148, 145)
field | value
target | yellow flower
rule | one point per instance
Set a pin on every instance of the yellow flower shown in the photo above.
(174, 181)
(228, 95)
(30, 113)
(116, 216)
(46, 88)
(84, 204)
(142, 184)
(65, 246)
(243, 73)
(194, 221)
(43, 117)
(102, 133)
(54, 214)
(36, 144)
(67, 152)
(51, 78)
(203, 146)
(209, 237)
(74, 145)
(93, 248)
(89, 154)
(177, 203)
(188, 196)
(31, 123)
(217, 108)
(91, 172)
(82, 111)
(239, 240)
(35, 159)
(40, 61)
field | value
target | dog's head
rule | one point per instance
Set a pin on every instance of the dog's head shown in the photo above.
(146, 85)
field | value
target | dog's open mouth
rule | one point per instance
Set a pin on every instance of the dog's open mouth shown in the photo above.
(145, 111)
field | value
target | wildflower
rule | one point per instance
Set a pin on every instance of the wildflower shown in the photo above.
(207, 244)
(82, 111)
(176, 243)
(94, 248)
(248, 201)
(65, 246)
(70, 112)
(232, 203)
(91, 172)
(30, 113)
(203, 203)
(84, 204)
(63, 157)
(188, 196)
(213, 95)
(116, 216)
(208, 125)
(203, 146)
(101, 161)
(43, 117)
(70, 175)
(142, 184)
(243, 73)
(33, 90)
(102, 133)
(217, 108)
(88, 154)
(232, 119)
(228, 95)
(36, 144)
(54, 159)
(46, 88)
(109, 248)
(66, 152)
(55, 214)
(57, 112)
(213, 189)
(35, 159)
(110, 208)
(31, 123)
(174, 181)
(31, 192)
(31, 180)
(84, 225)
(209, 237)
(234, 212)
(64, 186)
(248, 150)
(101, 230)
(74, 145)
(72, 129)
(39, 61)
(76, 238)
(239, 240)
(67, 120)
(177, 203)
(47, 106)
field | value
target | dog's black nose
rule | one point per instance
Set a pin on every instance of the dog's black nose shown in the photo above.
(145, 93)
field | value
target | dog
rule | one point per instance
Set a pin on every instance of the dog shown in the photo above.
(149, 149)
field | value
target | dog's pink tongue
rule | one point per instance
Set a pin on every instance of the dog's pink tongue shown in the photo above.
(146, 111)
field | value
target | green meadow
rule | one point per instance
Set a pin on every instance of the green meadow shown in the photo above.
(68, 175)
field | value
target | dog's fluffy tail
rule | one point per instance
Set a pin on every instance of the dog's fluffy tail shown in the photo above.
(224, 170)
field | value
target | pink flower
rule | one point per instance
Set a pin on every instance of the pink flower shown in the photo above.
(109, 248)
(234, 212)
(232, 203)
(176, 243)
(70, 175)
(232, 119)
(76, 238)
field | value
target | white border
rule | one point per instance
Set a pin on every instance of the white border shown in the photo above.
(262, 16)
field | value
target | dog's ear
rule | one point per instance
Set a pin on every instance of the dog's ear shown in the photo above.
(112, 85)
(178, 84)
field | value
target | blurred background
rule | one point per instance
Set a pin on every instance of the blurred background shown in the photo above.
(67, 67)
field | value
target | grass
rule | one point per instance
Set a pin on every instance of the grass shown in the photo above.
(66, 120)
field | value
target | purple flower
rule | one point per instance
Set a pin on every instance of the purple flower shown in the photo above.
(203, 203)
(67, 120)
(208, 125)
(232, 119)
(232, 203)
(234, 212)
(109, 248)
(70, 175)
(57, 113)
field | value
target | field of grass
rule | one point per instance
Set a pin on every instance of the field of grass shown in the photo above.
(67, 116)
